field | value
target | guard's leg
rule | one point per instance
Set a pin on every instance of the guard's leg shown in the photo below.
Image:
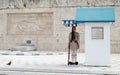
(74, 56)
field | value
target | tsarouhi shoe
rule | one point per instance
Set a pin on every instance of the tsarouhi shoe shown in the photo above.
(72, 63)
(76, 63)
(69, 63)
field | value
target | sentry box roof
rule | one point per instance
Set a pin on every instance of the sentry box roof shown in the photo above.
(95, 15)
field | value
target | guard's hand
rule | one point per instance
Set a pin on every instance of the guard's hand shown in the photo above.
(75, 41)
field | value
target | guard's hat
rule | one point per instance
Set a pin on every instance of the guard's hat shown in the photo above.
(73, 26)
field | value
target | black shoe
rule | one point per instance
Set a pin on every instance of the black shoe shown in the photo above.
(76, 63)
(69, 63)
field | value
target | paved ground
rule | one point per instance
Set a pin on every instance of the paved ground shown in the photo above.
(52, 64)
(42, 73)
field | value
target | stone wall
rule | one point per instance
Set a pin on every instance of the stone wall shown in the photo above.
(40, 25)
(56, 3)
(40, 22)
(30, 23)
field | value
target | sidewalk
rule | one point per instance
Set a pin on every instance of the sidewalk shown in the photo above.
(52, 62)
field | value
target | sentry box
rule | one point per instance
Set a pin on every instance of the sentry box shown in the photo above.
(97, 23)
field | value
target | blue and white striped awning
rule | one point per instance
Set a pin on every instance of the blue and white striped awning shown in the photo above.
(69, 23)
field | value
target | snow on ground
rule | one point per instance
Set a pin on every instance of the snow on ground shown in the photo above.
(45, 63)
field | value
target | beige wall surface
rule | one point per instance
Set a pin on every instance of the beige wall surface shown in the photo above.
(40, 22)
(30, 23)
